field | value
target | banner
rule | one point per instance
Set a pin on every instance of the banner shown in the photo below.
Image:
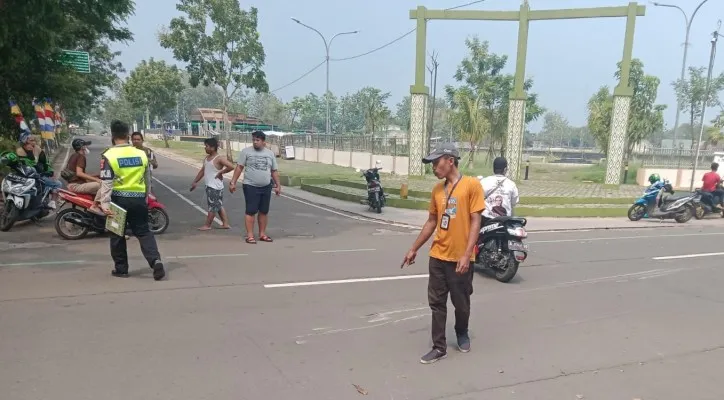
(18, 115)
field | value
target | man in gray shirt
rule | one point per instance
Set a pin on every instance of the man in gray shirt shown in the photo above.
(260, 168)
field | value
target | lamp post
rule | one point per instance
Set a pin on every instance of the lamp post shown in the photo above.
(688, 20)
(327, 45)
(714, 39)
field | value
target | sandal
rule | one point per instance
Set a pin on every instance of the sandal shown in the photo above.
(266, 238)
(250, 240)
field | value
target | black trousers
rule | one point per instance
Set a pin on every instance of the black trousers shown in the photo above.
(443, 280)
(137, 221)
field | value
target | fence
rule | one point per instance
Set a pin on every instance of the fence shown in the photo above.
(675, 158)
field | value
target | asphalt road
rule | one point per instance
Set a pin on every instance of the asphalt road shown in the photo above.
(592, 315)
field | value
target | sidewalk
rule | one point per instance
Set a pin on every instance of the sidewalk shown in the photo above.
(416, 218)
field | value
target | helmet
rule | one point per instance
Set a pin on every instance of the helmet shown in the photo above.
(653, 178)
(79, 143)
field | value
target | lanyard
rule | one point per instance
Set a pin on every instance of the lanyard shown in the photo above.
(447, 200)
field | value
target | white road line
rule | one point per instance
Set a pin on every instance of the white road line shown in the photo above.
(342, 251)
(626, 237)
(205, 256)
(42, 263)
(186, 199)
(316, 283)
(688, 256)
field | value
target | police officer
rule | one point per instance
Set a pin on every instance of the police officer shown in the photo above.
(125, 174)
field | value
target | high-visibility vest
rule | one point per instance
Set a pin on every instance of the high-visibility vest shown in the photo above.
(129, 169)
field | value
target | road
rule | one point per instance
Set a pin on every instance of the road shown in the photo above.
(592, 315)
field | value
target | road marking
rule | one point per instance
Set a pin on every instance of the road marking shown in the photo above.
(688, 256)
(206, 256)
(316, 283)
(342, 251)
(42, 263)
(186, 199)
(625, 237)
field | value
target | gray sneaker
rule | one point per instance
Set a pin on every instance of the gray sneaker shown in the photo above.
(158, 271)
(464, 343)
(433, 356)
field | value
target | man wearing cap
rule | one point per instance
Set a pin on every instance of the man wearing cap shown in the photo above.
(501, 193)
(74, 172)
(454, 218)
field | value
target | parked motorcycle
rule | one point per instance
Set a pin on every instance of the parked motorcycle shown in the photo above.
(76, 222)
(375, 193)
(658, 202)
(500, 246)
(24, 194)
(702, 204)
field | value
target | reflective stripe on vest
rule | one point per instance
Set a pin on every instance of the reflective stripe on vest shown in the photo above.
(129, 167)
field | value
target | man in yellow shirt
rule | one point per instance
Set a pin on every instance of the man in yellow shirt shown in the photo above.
(455, 209)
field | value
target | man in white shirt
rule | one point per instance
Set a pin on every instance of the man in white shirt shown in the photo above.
(501, 193)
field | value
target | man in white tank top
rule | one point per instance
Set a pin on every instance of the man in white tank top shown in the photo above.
(212, 172)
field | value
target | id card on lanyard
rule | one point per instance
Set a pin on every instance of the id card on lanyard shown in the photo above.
(445, 220)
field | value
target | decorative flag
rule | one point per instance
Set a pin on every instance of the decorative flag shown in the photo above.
(49, 123)
(18, 115)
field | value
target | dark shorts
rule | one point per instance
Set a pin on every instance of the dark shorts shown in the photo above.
(257, 199)
(214, 199)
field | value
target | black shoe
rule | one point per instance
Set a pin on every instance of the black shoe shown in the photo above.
(158, 271)
(464, 343)
(433, 356)
(118, 274)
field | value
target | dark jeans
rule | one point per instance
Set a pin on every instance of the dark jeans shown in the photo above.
(137, 221)
(444, 280)
(257, 198)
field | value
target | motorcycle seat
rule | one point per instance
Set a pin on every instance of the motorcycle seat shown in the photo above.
(81, 195)
(505, 219)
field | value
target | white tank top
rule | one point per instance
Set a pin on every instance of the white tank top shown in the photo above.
(210, 173)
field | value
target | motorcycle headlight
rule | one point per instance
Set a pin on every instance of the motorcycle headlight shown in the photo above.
(517, 232)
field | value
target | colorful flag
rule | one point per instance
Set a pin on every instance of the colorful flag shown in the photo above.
(18, 115)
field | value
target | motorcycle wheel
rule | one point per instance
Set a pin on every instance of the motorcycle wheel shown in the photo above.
(636, 212)
(158, 220)
(61, 225)
(378, 203)
(8, 216)
(685, 215)
(505, 275)
(700, 212)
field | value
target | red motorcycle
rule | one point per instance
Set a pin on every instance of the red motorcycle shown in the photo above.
(76, 222)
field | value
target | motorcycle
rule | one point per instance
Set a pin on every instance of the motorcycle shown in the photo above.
(375, 193)
(655, 204)
(78, 216)
(702, 204)
(500, 246)
(24, 194)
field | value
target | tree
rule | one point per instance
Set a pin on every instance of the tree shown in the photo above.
(402, 113)
(645, 117)
(153, 87)
(482, 73)
(556, 129)
(469, 119)
(268, 108)
(230, 55)
(192, 98)
(691, 94)
(376, 113)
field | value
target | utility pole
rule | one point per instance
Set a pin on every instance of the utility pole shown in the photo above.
(433, 78)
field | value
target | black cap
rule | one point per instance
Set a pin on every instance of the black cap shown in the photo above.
(500, 164)
(79, 143)
(442, 149)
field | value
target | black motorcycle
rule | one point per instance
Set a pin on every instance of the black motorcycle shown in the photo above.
(703, 204)
(500, 246)
(375, 193)
(25, 197)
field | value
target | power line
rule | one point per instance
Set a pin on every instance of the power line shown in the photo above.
(464, 5)
(300, 78)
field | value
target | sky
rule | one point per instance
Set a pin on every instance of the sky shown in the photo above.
(568, 60)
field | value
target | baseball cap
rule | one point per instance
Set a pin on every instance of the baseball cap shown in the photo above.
(442, 149)
(500, 163)
(78, 143)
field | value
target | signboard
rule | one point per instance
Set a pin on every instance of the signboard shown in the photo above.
(79, 60)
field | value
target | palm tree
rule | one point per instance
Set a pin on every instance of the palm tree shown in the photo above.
(469, 119)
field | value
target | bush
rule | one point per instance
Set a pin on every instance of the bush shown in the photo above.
(597, 174)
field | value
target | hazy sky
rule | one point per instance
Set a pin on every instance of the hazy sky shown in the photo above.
(569, 60)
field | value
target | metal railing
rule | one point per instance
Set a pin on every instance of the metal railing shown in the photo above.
(674, 158)
(379, 145)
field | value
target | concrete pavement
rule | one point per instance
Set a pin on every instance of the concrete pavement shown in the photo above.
(601, 314)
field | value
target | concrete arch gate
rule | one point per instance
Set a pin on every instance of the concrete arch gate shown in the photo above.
(516, 115)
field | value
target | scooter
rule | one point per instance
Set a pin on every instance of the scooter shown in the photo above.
(703, 201)
(375, 193)
(24, 195)
(500, 246)
(76, 222)
(658, 202)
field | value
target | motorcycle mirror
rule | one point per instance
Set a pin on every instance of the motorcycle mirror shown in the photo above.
(357, 170)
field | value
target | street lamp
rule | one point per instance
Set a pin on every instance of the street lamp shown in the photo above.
(327, 45)
(688, 22)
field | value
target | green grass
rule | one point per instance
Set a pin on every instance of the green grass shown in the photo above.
(597, 174)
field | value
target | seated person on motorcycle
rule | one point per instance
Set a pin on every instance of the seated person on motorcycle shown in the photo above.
(711, 184)
(80, 182)
(31, 155)
(501, 193)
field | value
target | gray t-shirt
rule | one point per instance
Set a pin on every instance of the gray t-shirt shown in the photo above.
(258, 166)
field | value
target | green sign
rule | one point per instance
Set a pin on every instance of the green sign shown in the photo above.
(79, 60)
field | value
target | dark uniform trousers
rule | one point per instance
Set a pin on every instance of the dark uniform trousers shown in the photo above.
(443, 280)
(137, 220)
